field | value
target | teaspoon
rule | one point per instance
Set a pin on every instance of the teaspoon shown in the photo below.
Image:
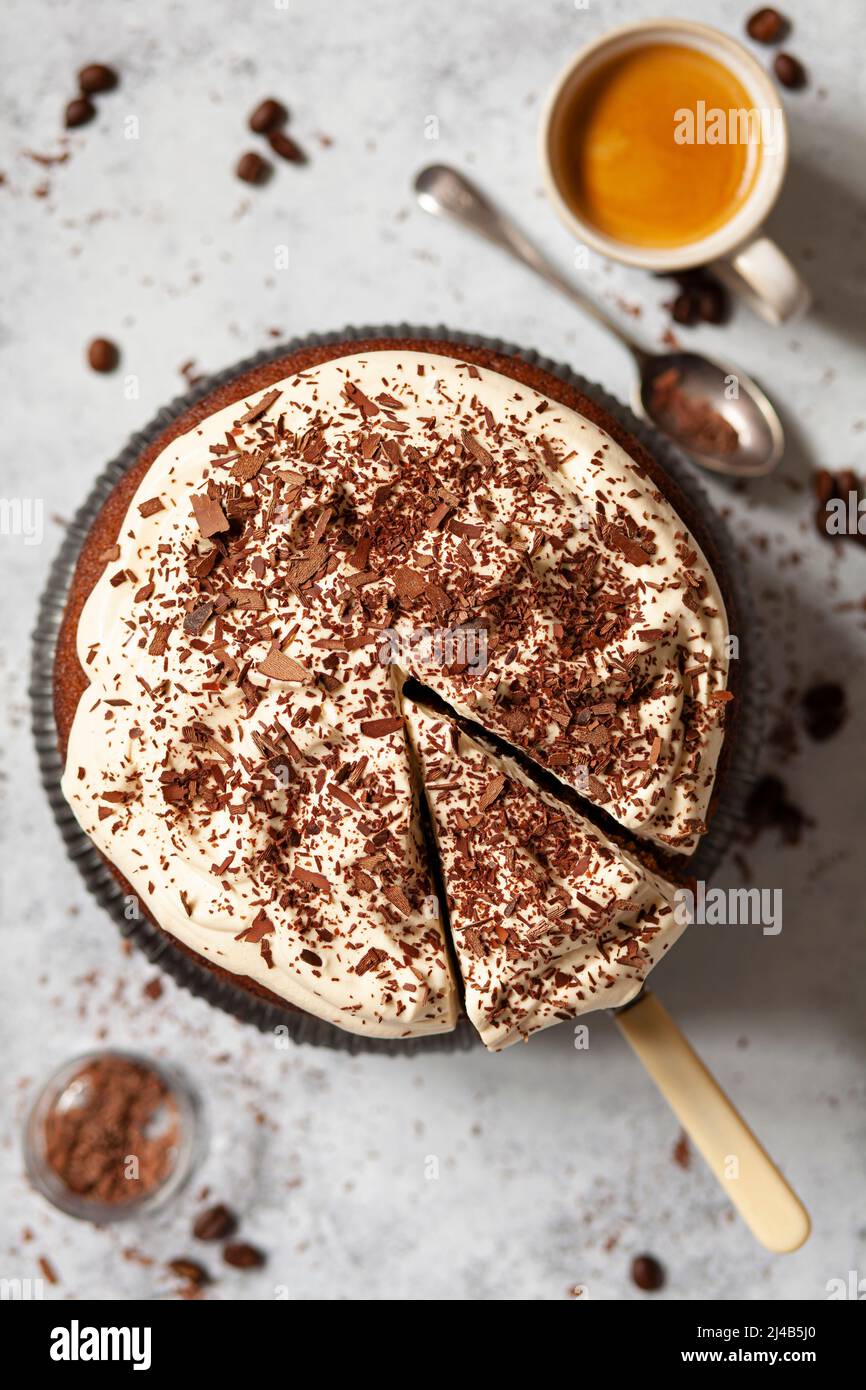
(716, 414)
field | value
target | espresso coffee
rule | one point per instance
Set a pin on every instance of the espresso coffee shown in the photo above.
(658, 147)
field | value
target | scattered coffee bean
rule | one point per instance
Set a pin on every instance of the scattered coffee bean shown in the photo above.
(190, 1270)
(824, 709)
(823, 483)
(712, 303)
(766, 26)
(847, 481)
(701, 298)
(768, 806)
(79, 112)
(789, 70)
(102, 355)
(286, 147)
(838, 495)
(252, 168)
(215, 1224)
(647, 1273)
(97, 77)
(243, 1256)
(685, 308)
(267, 116)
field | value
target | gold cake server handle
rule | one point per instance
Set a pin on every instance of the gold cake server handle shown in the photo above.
(767, 1203)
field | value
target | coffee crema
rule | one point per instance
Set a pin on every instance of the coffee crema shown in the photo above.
(636, 149)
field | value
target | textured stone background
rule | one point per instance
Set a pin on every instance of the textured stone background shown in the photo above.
(556, 1166)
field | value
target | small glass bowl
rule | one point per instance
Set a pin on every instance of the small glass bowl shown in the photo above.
(187, 1154)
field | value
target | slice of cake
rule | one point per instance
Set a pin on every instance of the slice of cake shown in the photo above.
(549, 919)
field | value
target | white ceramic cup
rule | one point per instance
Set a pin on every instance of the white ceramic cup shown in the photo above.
(749, 263)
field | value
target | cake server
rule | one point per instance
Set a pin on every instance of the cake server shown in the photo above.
(738, 1161)
(704, 388)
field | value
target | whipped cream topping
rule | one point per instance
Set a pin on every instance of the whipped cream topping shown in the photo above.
(238, 754)
(606, 633)
(549, 918)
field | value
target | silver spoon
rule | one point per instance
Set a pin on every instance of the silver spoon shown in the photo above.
(672, 386)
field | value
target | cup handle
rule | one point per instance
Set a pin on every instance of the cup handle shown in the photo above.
(762, 275)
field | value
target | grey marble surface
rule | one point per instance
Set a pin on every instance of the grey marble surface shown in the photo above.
(555, 1166)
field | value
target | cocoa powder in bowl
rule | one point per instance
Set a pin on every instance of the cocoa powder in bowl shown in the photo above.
(109, 1134)
(116, 1135)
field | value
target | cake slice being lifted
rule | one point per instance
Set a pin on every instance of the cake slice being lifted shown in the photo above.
(548, 917)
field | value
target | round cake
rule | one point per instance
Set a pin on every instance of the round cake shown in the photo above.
(394, 682)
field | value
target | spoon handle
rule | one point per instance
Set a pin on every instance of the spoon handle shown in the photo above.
(744, 1169)
(445, 192)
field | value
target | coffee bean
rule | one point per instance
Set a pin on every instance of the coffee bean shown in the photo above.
(789, 70)
(103, 355)
(267, 116)
(824, 485)
(790, 822)
(765, 801)
(243, 1256)
(190, 1270)
(824, 710)
(79, 112)
(647, 1273)
(286, 148)
(847, 482)
(712, 303)
(685, 308)
(215, 1224)
(768, 806)
(252, 168)
(766, 26)
(97, 77)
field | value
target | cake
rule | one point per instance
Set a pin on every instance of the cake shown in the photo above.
(230, 669)
(549, 918)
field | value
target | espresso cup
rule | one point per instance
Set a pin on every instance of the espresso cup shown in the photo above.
(747, 261)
